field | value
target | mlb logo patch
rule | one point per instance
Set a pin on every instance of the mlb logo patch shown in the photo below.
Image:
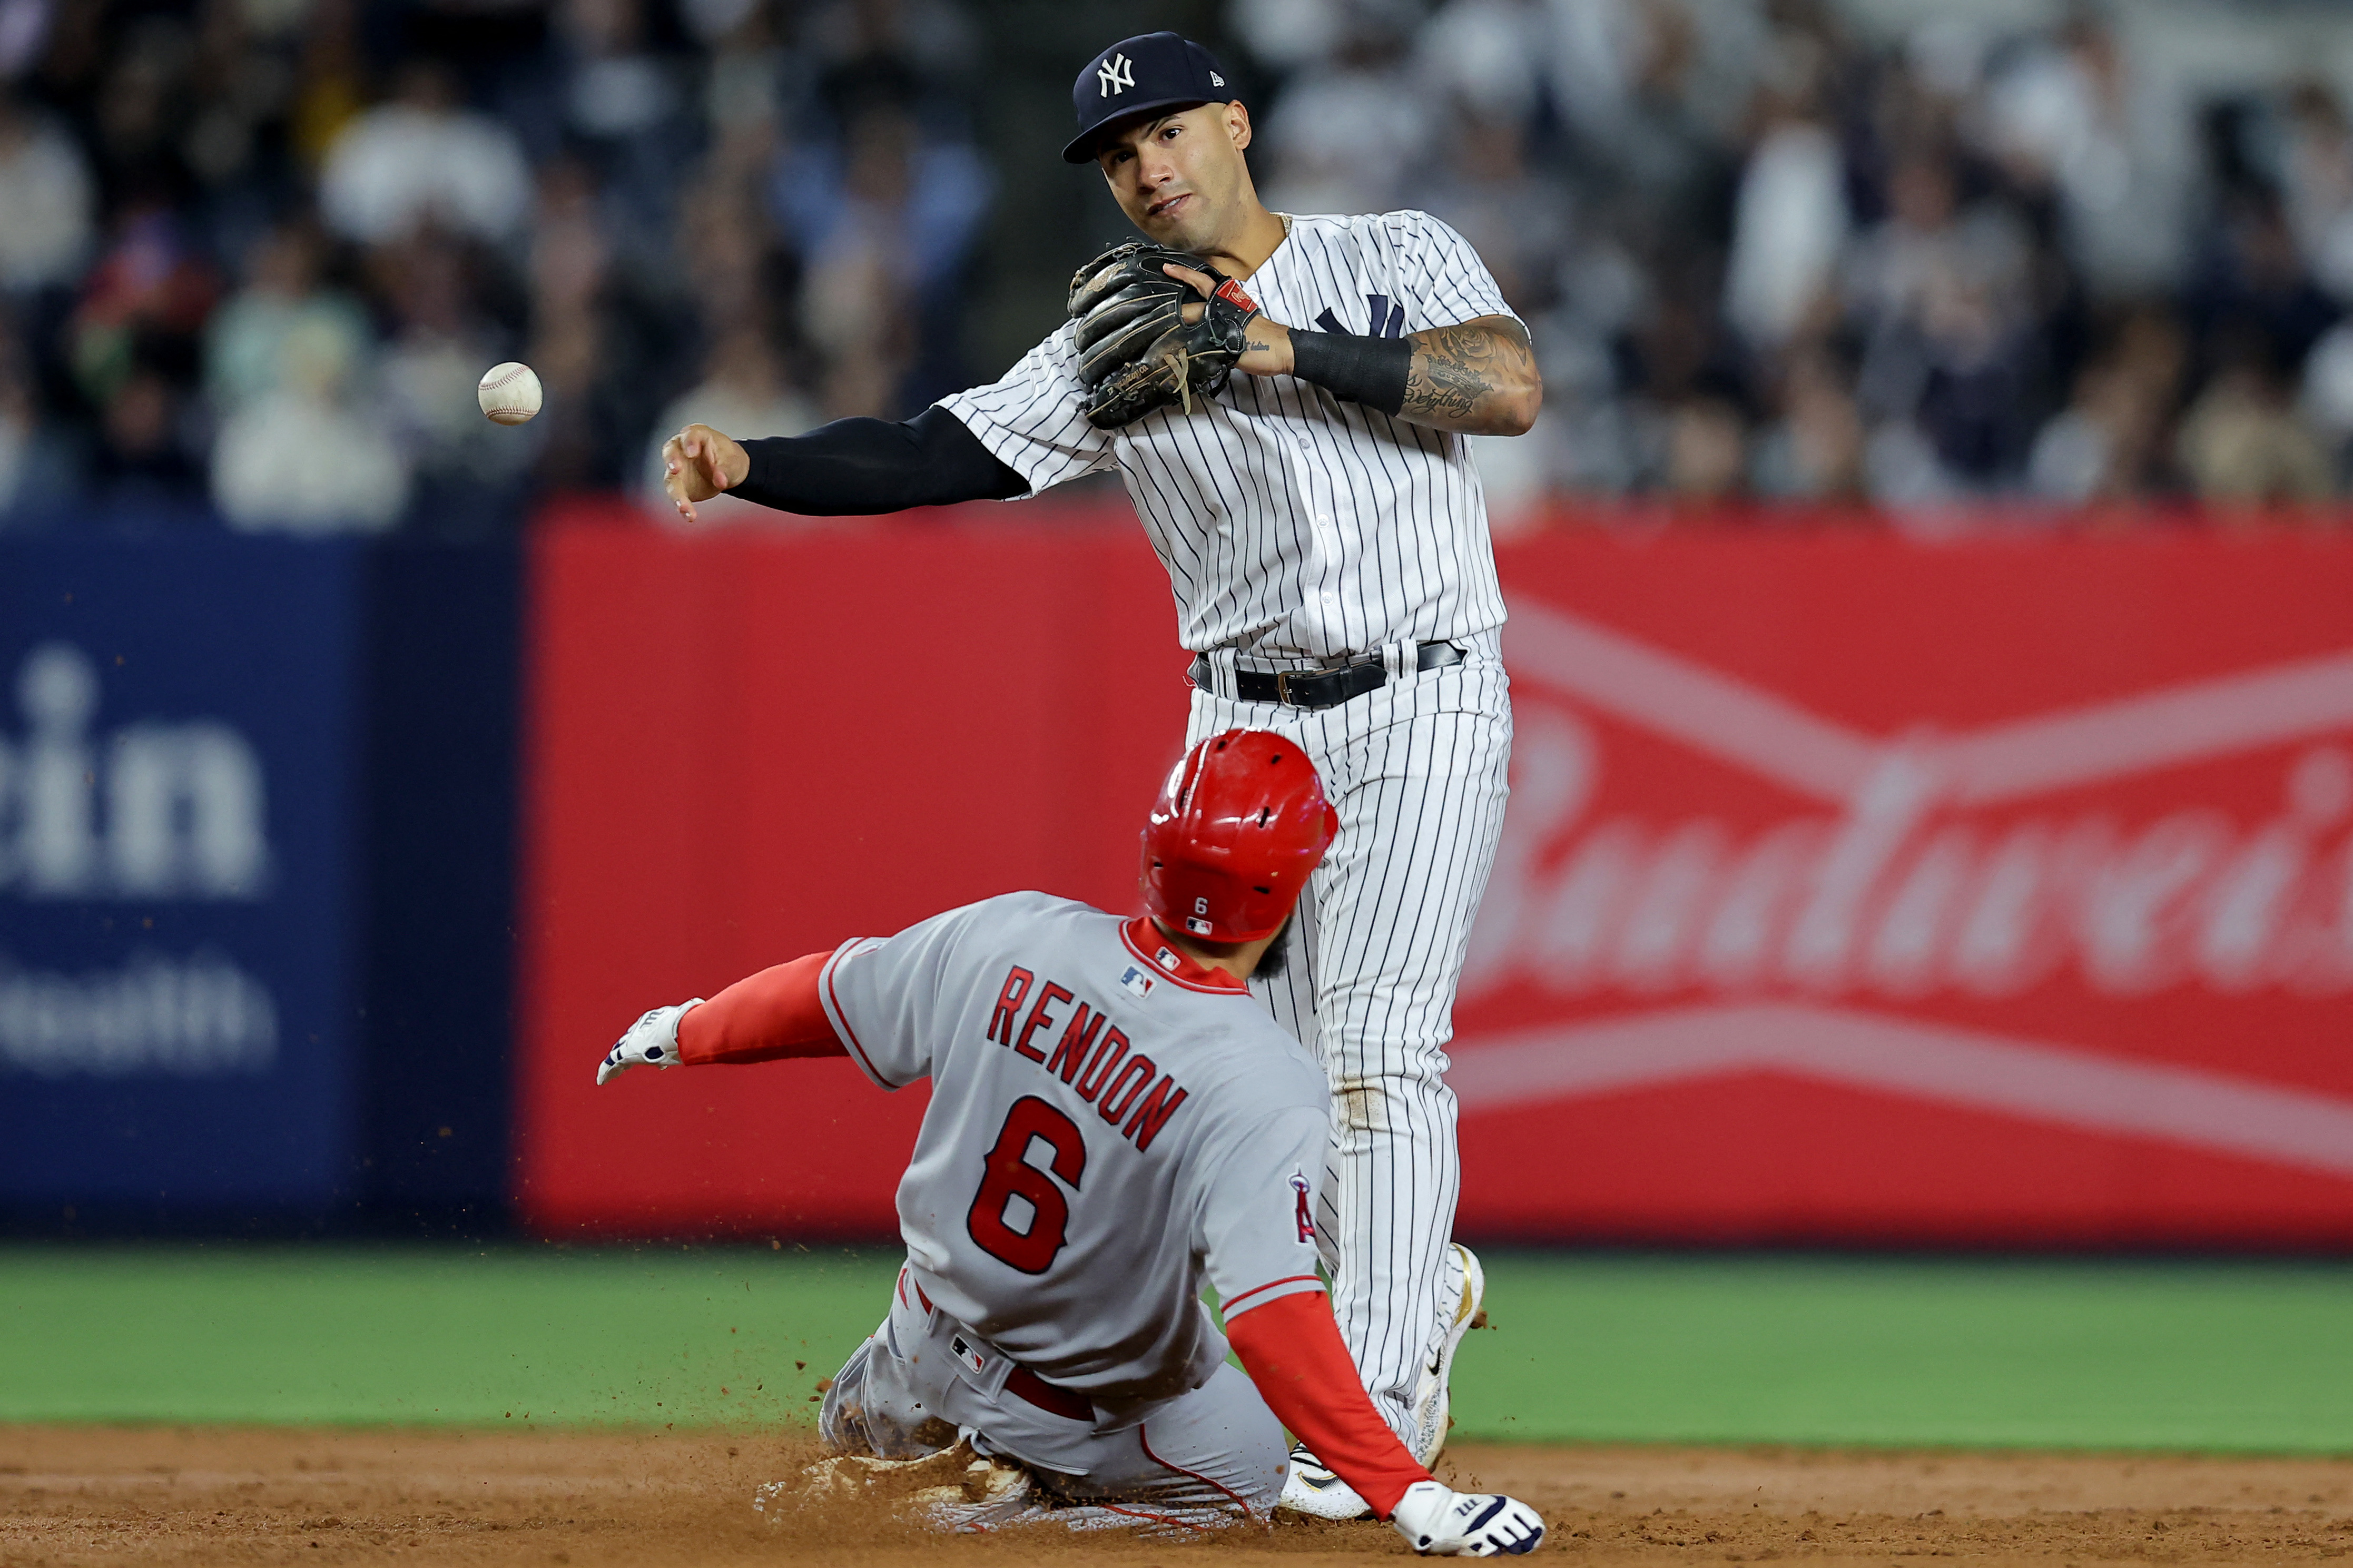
(1198, 926)
(1166, 960)
(967, 1355)
(1136, 981)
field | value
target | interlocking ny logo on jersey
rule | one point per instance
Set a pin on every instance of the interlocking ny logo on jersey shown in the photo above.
(1388, 319)
(1116, 75)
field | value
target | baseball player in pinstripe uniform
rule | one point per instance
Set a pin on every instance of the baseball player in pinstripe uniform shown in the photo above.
(1327, 542)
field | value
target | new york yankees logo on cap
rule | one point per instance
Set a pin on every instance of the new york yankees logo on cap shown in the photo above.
(1153, 73)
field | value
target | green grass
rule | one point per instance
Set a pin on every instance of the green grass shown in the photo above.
(1738, 1349)
(317, 1334)
(2254, 1357)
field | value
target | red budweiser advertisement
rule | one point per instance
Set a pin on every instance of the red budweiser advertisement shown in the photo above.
(1854, 889)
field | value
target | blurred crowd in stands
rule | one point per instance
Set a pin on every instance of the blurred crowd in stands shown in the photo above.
(255, 253)
(1791, 251)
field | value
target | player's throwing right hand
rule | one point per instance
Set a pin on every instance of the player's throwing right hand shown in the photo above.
(698, 463)
(1444, 1523)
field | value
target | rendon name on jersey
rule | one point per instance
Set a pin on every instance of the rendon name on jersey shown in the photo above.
(1110, 1122)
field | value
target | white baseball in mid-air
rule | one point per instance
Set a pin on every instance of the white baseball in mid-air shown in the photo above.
(509, 393)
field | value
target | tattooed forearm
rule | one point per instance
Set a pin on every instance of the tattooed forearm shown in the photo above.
(1447, 378)
(1479, 378)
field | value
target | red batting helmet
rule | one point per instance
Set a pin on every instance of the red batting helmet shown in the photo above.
(1238, 825)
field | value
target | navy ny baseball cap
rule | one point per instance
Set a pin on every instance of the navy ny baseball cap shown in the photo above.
(1136, 76)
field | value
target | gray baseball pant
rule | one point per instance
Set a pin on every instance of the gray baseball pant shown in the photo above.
(904, 1393)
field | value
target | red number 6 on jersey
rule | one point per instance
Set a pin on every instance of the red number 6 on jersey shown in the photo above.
(1006, 1174)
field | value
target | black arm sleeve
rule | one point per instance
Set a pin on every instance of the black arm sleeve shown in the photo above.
(1370, 370)
(853, 468)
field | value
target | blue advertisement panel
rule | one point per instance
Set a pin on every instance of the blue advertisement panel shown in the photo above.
(176, 913)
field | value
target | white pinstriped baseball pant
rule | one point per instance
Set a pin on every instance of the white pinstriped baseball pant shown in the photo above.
(1417, 771)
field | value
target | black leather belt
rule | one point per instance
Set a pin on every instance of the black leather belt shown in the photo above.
(1323, 688)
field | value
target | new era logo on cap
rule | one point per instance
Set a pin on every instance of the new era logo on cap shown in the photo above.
(1136, 77)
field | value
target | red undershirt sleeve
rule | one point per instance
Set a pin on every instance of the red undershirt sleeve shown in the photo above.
(762, 1017)
(1293, 1352)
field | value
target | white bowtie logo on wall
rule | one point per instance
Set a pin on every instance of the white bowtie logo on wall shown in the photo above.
(1116, 75)
(1796, 944)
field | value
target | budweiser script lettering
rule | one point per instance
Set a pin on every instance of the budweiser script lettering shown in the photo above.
(1927, 872)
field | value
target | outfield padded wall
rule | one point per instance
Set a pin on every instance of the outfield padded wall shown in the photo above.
(1857, 888)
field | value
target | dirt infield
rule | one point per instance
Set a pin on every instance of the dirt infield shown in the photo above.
(200, 1495)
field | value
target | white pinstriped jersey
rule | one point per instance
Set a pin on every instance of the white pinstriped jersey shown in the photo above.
(1291, 523)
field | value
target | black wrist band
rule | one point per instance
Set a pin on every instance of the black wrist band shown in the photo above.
(1370, 370)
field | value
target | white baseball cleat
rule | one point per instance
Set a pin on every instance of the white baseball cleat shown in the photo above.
(1466, 1283)
(1310, 1487)
(1444, 1523)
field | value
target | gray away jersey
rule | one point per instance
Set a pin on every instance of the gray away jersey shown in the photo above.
(1291, 523)
(1109, 1125)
